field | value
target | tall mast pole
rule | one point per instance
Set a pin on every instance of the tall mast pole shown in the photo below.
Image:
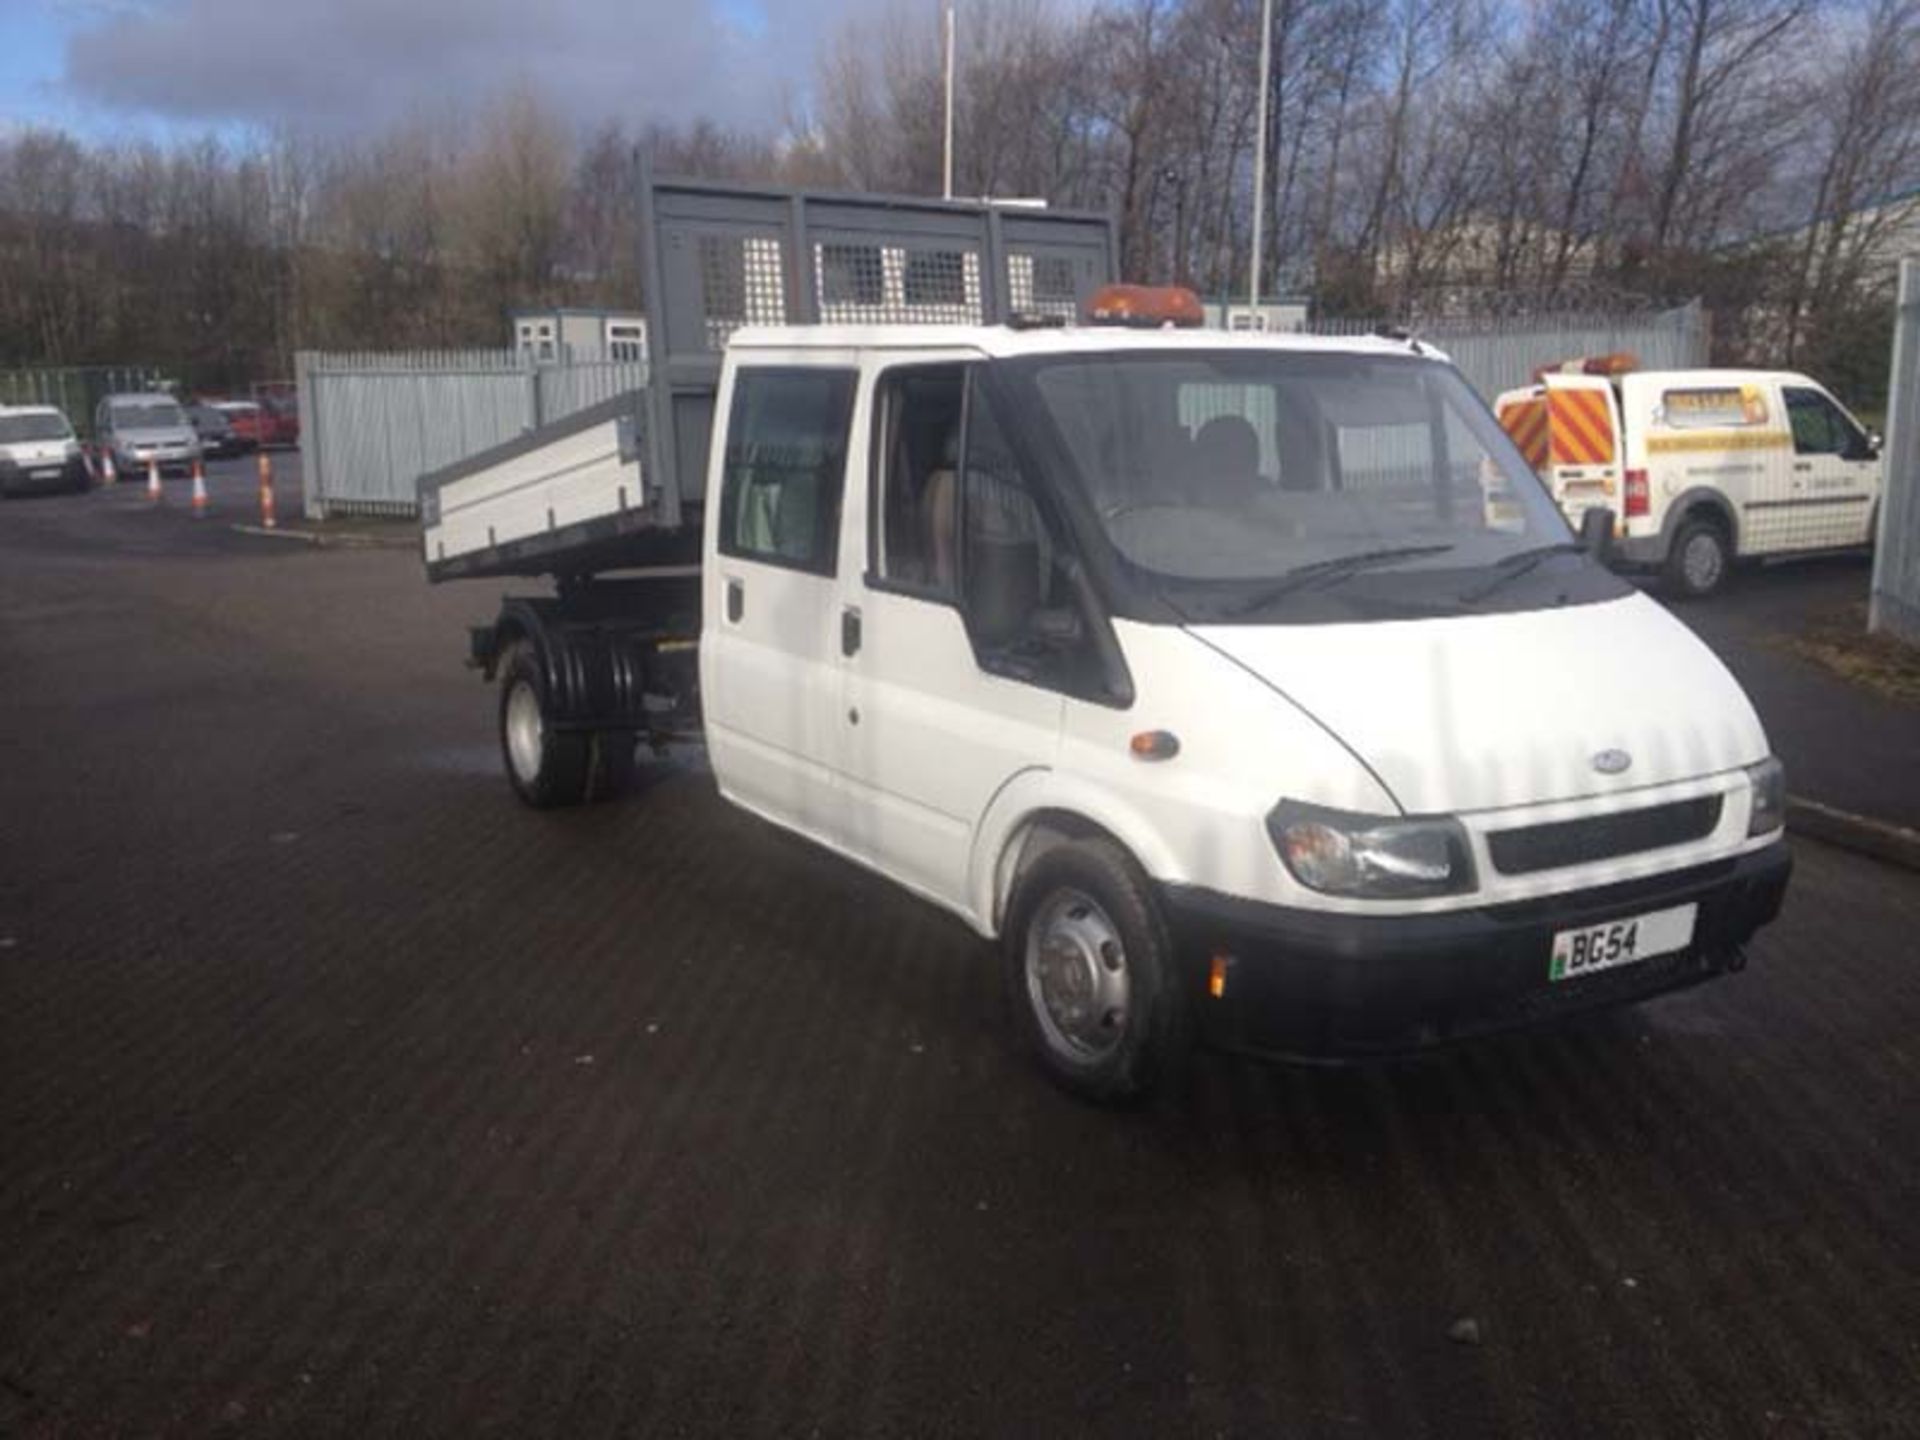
(1260, 156)
(946, 169)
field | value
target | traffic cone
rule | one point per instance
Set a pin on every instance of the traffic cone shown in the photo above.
(153, 481)
(266, 491)
(199, 491)
(107, 475)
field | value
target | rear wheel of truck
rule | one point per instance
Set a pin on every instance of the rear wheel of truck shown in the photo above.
(1090, 974)
(1698, 561)
(547, 767)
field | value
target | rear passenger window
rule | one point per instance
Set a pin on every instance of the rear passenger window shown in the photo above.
(785, 464)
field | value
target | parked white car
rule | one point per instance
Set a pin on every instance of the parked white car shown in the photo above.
(38, 451)
(1703, 467)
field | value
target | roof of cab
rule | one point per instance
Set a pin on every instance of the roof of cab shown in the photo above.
(1006, 341)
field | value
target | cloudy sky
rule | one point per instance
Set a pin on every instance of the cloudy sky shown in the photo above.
(173, 66)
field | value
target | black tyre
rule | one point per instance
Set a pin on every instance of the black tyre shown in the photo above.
(547, 767)
(1698, 561)
(613, 764)
(1090, 975)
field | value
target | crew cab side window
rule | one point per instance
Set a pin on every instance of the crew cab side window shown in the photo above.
(785, 463)
(961, 522)
(913, 546)
(1007, 560)
(1818, 426)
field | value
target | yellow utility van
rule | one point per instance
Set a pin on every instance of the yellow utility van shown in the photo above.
(1703, 467)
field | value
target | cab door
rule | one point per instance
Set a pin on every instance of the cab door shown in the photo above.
(949, 685)
(769, 680)
(1835, 473)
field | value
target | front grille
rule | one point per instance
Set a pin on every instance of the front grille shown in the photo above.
(1601, 837)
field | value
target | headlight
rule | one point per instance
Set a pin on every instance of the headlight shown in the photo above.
(1371, 856)
(1769, 782)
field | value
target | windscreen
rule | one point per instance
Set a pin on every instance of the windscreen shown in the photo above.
(1237, 466)
(19, 429)
(147, 415)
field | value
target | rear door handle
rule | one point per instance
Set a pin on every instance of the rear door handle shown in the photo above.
(736, 601)
(850, 631)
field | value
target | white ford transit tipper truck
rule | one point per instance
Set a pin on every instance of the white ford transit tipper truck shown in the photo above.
(1704, 466)
(1242, 689)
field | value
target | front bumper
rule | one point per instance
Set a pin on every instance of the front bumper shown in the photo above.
(132, 465)
(1310, 983)
(67, 474)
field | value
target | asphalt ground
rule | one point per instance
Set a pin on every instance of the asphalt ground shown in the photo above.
(341, 1095)
(1844, 744)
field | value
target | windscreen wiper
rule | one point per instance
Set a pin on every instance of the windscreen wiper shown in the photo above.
(1518, 564)
(1337, 568)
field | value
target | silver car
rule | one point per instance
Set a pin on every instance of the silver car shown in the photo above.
(146, 428)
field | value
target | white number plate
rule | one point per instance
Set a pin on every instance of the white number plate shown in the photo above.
(44, 474)
(1621, 942)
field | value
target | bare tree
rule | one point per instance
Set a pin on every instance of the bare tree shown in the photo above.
(1863, 110)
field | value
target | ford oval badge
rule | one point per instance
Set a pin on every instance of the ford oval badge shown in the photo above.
(1612, 762)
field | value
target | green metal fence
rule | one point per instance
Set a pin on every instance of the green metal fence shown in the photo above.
(74, 389)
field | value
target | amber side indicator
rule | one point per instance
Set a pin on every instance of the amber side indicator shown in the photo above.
(1154, 745)
(1217, 974)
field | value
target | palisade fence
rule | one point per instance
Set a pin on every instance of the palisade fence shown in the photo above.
(1502, 353)
(372, 424)
(1895, 604)
(75, 390)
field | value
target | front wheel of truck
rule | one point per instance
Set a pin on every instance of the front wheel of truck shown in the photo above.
(548, 767)
(1090, 974)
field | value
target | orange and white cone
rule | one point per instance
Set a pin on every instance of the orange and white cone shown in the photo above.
(199, 490)
(266, 491)
(153, 481)
(107, 474)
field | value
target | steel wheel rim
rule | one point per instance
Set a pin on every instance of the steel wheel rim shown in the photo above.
(1077, 981)
(1702, 561)
(525, 731)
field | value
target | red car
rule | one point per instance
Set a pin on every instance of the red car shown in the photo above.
(258, 424)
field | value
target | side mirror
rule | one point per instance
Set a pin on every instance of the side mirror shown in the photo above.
(1596, 531)
(1874, 445)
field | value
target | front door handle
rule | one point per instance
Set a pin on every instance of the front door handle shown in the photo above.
(736, 601)
(850, 631)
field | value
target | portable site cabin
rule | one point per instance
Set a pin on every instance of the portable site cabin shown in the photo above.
(568, 333)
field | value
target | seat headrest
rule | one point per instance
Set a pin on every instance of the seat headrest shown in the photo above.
(1228, 444)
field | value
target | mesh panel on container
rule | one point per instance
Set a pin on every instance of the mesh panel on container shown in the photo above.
(742, 282)
(862, 284)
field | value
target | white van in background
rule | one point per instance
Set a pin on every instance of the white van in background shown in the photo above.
(38, 451)
(1702, 466)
